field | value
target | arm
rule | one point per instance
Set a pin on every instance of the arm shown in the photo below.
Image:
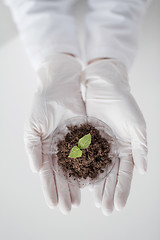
(45, 27)
(112, 28)
(47, 30)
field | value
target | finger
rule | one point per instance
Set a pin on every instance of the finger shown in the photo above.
(125, 174)
(109, 190)
(63, 190)
(63, 195)
(139, 148)
(33, 147)
(75, 195)
(98, 193)
(48, 183)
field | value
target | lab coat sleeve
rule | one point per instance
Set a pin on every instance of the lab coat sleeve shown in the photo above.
(112, 28)
(45, 27)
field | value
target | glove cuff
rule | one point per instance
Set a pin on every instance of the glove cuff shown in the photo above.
(59, 68)
(107, 69)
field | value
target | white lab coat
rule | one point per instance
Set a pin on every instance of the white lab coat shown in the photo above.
(47, 27)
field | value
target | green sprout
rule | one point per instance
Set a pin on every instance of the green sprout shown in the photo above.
(83, 143)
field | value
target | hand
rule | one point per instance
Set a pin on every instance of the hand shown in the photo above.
(109, 99)
(56, 99)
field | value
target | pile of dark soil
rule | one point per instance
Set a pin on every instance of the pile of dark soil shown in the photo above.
(94, 158)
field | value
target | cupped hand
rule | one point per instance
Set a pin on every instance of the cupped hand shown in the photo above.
(109, 99)
(57, 98)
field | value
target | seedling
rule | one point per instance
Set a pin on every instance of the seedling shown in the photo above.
(83, 143)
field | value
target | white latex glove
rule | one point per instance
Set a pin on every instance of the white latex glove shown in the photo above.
(57, 98)
(108, 98)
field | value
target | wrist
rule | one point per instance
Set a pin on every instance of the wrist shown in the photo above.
(58, 71)
(111, 70)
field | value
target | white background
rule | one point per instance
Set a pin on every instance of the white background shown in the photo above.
(23, 212)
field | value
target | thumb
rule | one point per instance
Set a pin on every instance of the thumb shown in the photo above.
(33, 146)
(139, 148)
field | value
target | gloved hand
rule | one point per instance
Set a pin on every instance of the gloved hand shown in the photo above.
(109, 99)
(57, 98)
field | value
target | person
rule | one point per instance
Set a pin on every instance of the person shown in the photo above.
(49, 33)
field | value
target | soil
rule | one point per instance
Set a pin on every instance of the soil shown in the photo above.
(94, 158)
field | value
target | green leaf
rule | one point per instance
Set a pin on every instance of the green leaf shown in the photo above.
(75, 152)
(85, 141)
